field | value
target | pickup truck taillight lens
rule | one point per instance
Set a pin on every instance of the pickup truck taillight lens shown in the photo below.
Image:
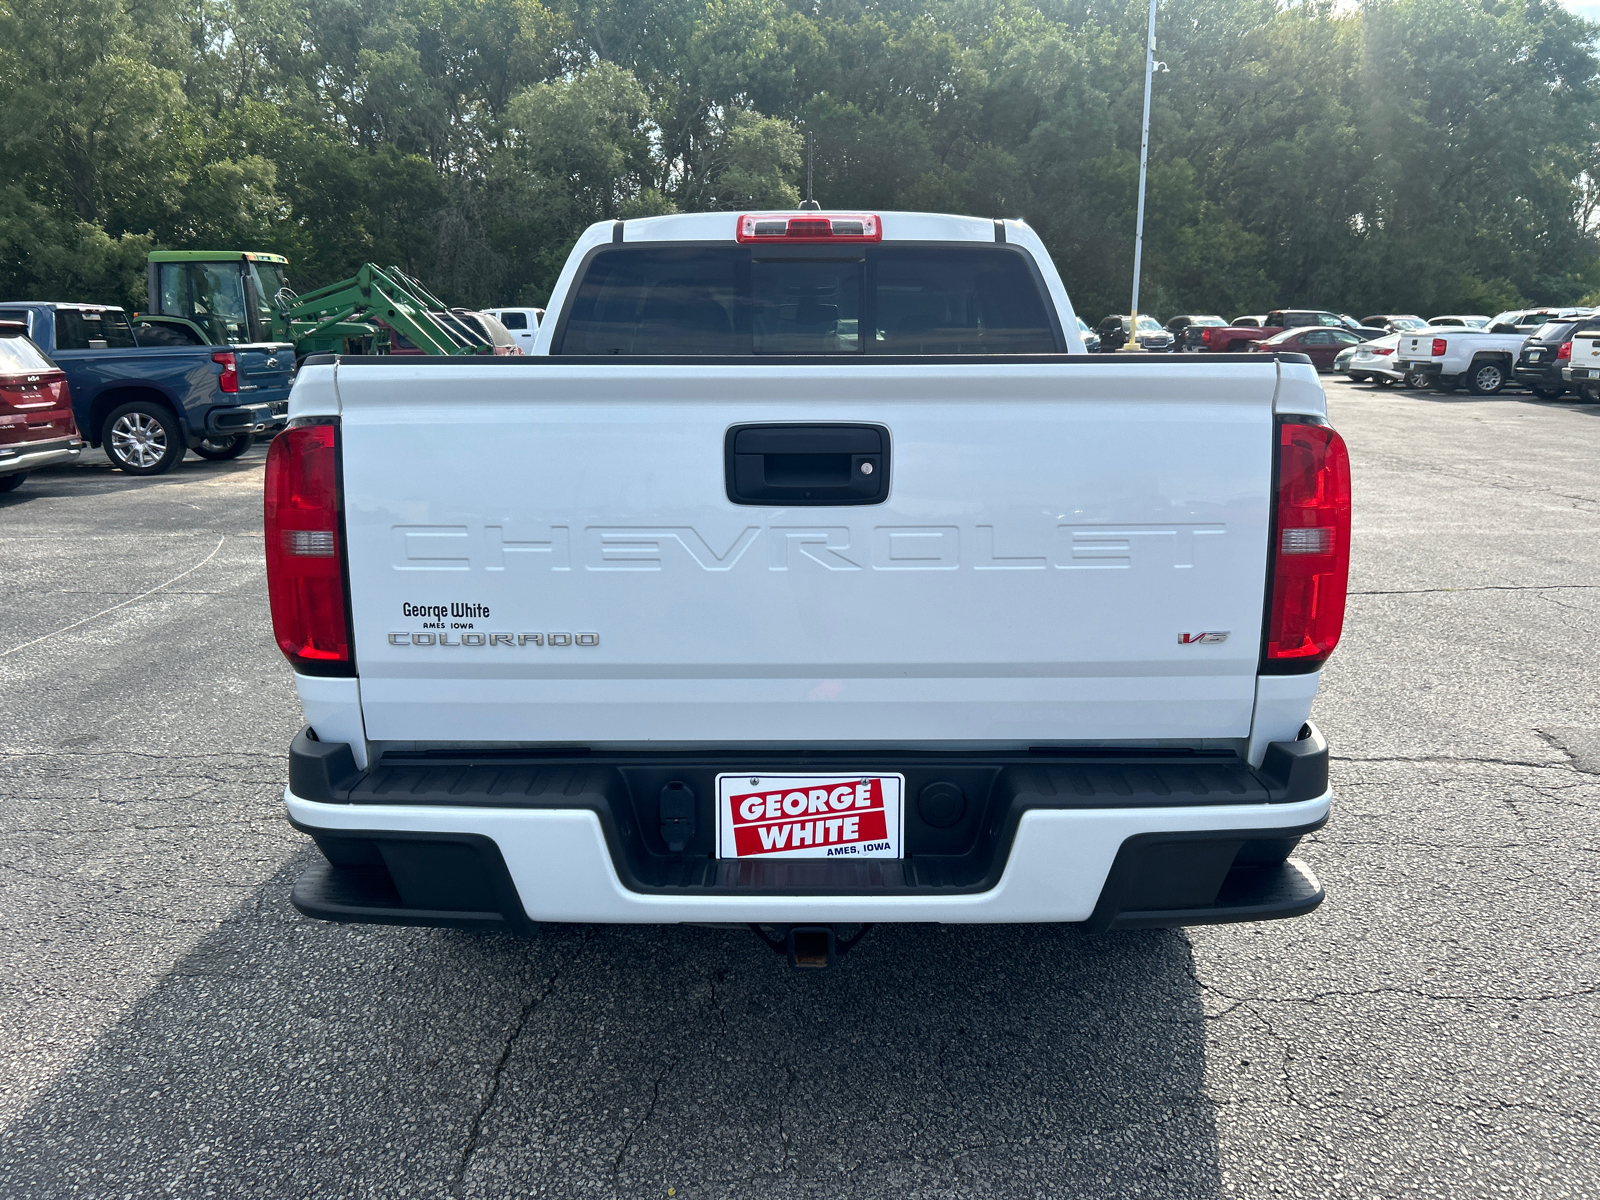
(1205, 335)
(1311, 557)
(228, 381)
(305, 569)
(1438, 348)
(1565, 351)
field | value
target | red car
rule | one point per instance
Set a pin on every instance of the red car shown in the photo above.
(1236, 338)
(36, 425)
(1321, 345)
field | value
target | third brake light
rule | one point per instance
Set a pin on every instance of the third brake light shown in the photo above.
(809, 227)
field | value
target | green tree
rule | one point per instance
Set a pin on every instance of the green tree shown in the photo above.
(1413, 154)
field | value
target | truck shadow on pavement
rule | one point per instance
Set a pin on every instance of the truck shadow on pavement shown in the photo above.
(1588, 408)
(95, 472)
(286, 1057)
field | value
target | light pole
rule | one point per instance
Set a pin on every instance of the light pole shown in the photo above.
(1144, 160)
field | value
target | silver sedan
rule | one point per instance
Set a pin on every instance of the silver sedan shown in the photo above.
(1371, 361)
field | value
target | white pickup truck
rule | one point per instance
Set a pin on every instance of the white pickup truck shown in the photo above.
(1445, 358)
(1582, 373)
(808, 575)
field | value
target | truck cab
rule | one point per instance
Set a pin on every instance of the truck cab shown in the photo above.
(522, 322)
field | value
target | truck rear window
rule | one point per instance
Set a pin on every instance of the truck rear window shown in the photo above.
(93, 329)
(871, 299)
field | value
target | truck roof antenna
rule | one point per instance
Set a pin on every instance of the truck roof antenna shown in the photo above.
(809, 204)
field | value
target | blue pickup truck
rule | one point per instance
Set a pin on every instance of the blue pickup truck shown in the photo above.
(147, 397)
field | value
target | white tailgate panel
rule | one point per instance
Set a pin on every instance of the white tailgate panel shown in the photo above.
(1050, 532)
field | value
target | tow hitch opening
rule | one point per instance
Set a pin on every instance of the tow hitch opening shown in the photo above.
(811, 947)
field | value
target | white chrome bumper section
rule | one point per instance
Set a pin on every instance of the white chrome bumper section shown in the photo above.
(563, 870)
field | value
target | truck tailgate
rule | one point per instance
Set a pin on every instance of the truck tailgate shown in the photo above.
(1416, 347)
(545, 550)
(1585, 357)
(265, 366)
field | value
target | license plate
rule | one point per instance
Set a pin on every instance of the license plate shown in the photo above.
(810, 816)
(1579, 373)
(1402, 365)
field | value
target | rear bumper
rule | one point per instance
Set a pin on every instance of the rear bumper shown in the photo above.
(247, 418)
(26, 456)
(1109, 870)
(1114, 846)
(1541, 376)
(1355, 368)
(1421, 367)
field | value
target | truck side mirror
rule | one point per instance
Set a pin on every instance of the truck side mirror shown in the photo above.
(1502, 328)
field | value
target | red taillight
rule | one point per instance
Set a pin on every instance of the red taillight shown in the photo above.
(810, 227)
(1205, 335)
(1311, 560)
(1383, 349)
(1438, 347)
(1565, 351)
(228, 381)
(305, 575)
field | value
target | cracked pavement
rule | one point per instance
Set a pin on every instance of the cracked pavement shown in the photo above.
(169, 1026)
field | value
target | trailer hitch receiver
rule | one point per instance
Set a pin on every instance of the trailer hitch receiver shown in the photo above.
(811, 947)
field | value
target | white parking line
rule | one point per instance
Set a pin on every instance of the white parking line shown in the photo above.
(124, 604)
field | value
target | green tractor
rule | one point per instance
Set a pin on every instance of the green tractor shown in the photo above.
(230, 297)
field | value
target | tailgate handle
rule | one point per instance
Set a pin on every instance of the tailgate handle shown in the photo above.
(807, 464)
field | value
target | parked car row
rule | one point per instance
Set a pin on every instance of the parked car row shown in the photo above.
(147, 398)
(1531, 347)
(1201, 333)
(81, 374)
(1149, 335)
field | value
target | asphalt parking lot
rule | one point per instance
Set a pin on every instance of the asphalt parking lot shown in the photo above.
(170, 1026)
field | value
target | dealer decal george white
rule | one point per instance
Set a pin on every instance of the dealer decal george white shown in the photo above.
(809, 816)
